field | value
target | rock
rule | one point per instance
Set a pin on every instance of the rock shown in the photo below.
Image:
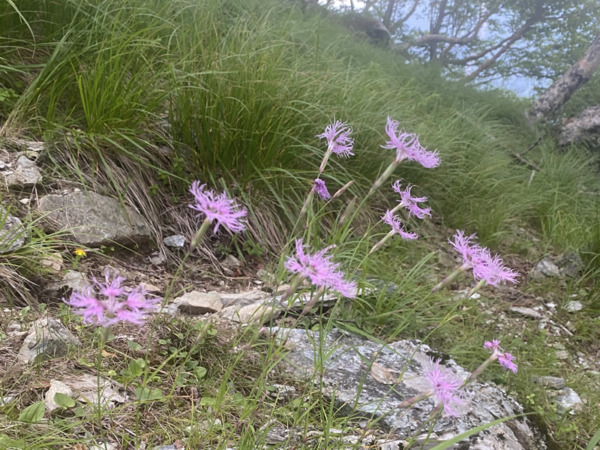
(342, 363)
(47, 339)
(25, 173)
(56, 387)
(150, 288)
(85, 388)
(12, 235)
(95, 220)
(570, 264)
(157, 258)
(562, 354)
(196, 303)
(71, 281)
(257, 314)
(550, 382)
(231, 262)
(242, 298)
(52, 262)
(177, 240)
(545, 268)
(574, 306)
(568, 401)
(527, 312)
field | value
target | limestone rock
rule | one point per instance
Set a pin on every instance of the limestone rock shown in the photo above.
(574, 306)
(85, 388)
(48, 338)
(12, 234)
(177, 240)
(527, 312)
(95, 220)
(570, 264)
(345, 375)
(25, 173)
(568, 401)
(196, 303)
(56, 387)
(550, 382)
(545, 268)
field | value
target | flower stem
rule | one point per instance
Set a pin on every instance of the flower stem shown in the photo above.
(307, 202)
(325, 159)
(384, 176)
(312, 301)
(291, 290)
(450, 277)
(201, 232)
(382, 241)
(475, 288)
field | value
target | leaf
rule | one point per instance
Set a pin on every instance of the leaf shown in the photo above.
(146, 394)
(33, 413)
(7, 442)
(200, 372)
(63, 400)
(594, 441)
(134, 346)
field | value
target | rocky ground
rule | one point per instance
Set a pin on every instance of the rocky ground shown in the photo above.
(367, 379)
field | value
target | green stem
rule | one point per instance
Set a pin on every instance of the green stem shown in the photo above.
(384, 176)
(201, 232)
(450, 277)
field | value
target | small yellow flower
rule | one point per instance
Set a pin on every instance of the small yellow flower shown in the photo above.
(80, 252)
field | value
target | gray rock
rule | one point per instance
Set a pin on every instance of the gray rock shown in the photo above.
(574, 306)
(47, 339)
(71, 281)
(345, 373)
(562, 354)
(25, 173)
(527, 312)
(85, 388)
(547, 268)
(570, 264)
(568, 401)
(95, 220)
(196, 303)
(12, 235)
(550, 382)
(177, 240)
(243, 298)
(257, 313)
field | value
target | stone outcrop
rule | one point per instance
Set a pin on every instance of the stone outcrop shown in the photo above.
(94, 219)
(370, 379)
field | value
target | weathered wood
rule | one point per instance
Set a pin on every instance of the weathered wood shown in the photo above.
(584, 126)
(562, 89)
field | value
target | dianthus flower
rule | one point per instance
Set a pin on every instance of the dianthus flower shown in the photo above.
(505, 359)
(338, 138)
(409, 202)
(218, 207)
(444, 386)
(321, 271)
(407, 146)
(485, 266)
(396, 225)
(111, 304)
(320, 188)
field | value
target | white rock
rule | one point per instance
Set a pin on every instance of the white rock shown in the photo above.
(574, 306)
(56, 387)
(196, 303)
(527, 312)
(177, 240)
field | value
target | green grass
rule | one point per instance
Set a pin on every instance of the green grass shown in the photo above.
(138, 100)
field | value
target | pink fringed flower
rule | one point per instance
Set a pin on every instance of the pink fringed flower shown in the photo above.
(407, 146)
(444, 386)
(485, 266)
(409, 202)
(338, 138)
(218, 207)
(396, 225)
(505, 359)
(321, 190)
(112, 305)
(321, 271)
